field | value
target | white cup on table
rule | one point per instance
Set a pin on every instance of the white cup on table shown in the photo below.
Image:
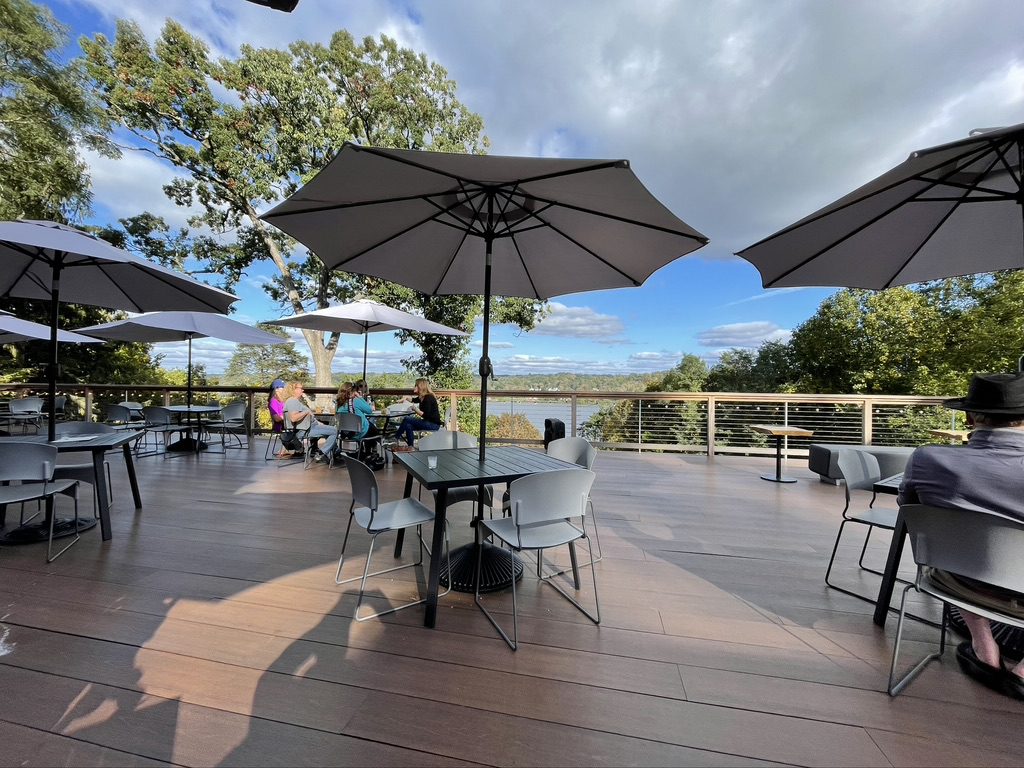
(431, 462)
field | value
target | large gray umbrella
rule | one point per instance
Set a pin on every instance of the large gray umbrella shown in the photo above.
(365, 317)
(14, 330)
(445, 223)
(954, 209)
(35, 255)
(181, 326)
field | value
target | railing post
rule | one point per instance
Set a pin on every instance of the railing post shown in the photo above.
(88, 404)
(250, 423)
(867, 422)
(454, 426)
(711, 425)
(640, 426)
(572, 413)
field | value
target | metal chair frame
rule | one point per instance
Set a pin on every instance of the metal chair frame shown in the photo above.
(33, 464)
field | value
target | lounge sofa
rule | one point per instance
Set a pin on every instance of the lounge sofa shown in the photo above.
(822, 458)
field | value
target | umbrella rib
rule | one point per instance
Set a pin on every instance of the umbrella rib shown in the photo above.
(596, 166)
(829, 210)
(526, 270)
(33, 255)
(856, 231)
(584, 248)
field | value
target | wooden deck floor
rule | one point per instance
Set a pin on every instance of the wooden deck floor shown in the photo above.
(210, 632)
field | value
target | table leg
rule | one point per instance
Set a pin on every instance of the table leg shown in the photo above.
(400, 538)
(102, 493)
(129, 463)
(777, 477)
(892, 566)
(436, 553)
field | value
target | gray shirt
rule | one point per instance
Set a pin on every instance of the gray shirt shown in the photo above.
(986, 475)
(294, 405)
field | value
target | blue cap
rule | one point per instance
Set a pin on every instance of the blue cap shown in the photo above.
(277, 384)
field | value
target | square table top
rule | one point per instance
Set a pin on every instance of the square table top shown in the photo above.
(458, 467)
(73, 442)
(781, 430)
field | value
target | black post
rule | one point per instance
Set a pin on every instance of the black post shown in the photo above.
(188, 397)
(485, 362)
(51, 372)
(366, 341)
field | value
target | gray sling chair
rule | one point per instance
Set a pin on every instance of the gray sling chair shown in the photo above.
(982, 546)
(230, 424)
(860, 472)
(578, 450)
(544, 509)
(350, 424)
(32, 465)
(84, 471)
(377, 518)
(160, 424)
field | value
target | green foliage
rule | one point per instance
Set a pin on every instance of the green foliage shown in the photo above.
(46, 113)
(254, 365)
(511, 426)
(248, 131)
(689, 375)
(770, 369)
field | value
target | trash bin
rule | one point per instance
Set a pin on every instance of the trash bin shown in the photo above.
(554, 429)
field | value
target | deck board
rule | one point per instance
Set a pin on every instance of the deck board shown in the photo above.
(209, 631)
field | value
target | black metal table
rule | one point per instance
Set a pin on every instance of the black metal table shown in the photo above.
(191, 444)
(458, 468)
(890, 485)
(97, 444)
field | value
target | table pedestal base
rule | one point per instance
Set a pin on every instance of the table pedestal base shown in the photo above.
(495, 570)
(187, 444)
(778, 478)
(33, 533)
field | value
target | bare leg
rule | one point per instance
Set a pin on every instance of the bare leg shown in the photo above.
(985, 646)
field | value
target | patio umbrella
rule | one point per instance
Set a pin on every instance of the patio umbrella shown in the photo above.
(35, 255)
(13, 330)
(365, 317)
(445, 223)
(182, 326)
(954, 209)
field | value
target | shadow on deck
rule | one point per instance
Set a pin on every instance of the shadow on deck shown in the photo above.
(210, 632)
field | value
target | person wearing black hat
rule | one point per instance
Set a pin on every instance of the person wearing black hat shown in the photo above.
(987, 475)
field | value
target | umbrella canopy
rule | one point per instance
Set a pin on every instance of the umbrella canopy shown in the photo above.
(445, 223)
(181, 326)
(954, 209)
(13, 330)
(365, 317)
(35, 255)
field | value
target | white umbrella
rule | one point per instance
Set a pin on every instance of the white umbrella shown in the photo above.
(14, 330)
(35, 255)
(181, 326)
(365, 317)
(445, 223)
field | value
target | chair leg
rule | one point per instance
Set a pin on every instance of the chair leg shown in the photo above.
(50, 557)
(512, 642)
(549, 580)
(895, 686)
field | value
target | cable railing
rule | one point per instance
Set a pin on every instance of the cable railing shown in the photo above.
(672, 422)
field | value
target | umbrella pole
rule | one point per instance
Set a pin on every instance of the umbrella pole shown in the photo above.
(188, 389)
(485, 361)
(366, 341)
(51, 369)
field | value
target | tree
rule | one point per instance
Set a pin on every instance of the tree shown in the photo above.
(282, 116)
(511, 426)
(254, 365)
(688, 376)
(46, 113)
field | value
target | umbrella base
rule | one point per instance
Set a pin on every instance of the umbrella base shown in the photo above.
(188, 445)
(33, 533)
(496, 572)
(778, 478)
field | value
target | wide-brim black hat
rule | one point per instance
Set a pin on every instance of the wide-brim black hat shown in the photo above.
(999, 394)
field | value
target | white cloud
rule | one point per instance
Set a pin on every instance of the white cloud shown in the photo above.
(478, 343)
(580, 323)
(743, 335)
(653, 361)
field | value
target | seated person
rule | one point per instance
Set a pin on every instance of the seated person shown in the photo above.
(425, 417)
(299, 416)
(986, 475)
(352, 398)
(275, 403)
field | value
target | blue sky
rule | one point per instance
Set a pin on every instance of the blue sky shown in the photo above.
(742, 116)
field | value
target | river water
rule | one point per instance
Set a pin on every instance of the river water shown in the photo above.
(537, 412)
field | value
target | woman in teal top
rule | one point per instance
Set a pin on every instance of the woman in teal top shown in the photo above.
(352, 399)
